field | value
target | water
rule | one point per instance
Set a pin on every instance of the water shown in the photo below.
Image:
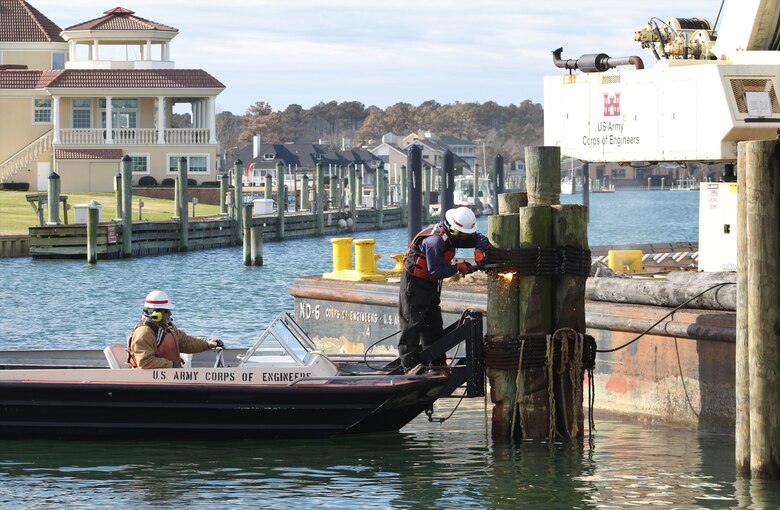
(70, 304)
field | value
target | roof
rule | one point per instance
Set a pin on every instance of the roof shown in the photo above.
(120, 18)
(453, 140)
(109, 78)
(21, 22)
(88, 154)
(304, 155)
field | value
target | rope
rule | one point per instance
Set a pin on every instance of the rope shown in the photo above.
(518, 383)
(551, 386)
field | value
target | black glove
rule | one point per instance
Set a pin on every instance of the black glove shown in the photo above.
(215, 342)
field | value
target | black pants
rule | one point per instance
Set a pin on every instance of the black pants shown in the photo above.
(420, 317)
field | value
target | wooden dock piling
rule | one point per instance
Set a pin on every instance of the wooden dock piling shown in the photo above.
(319, 194)
(379, 195)
(183, 213)
(570, 230)
(742, 355)
(247, 245)
(353, 196)
(256, 254)
(502, 325)
(238, 200)
(118, 196)
(762, 221)
(127, 207)
(54, 198)
(281, 200)
(92, 241)
(224, 189)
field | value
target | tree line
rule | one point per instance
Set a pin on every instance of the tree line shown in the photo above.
(503, 129)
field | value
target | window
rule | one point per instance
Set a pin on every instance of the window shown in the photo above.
(195, 164)
(124, 113)
(41, 111)
(82, 113)
(269, 156)
(58, 61)
(139, 163)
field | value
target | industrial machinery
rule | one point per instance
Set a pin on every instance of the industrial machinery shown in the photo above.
(708, 90)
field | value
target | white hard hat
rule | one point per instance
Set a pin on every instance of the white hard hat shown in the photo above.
(158, 300)
(462, 219)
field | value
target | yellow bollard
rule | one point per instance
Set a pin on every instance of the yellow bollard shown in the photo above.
(624, 260)
(365, 263)
(342, 254)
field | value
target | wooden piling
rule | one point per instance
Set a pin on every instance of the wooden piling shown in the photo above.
(281, 201)
(333, 187)
(508, 202)
(502, 325)
(92, 224)
(319, 193)
(54, 198)
(544, 182)
(238, 200)
(742, 356)
(117, 196)
(359, 197)
(379, 202)
(352, 198)
(426, 195)
(257, 246)
(224, 189)
(268, 186)
(403, 196)
(127, 207)
(414, 191)
(570, 230)
(305, 193)
(247, 245)
(762, 218)
(534, 319)
(184, 222)
(447, 184)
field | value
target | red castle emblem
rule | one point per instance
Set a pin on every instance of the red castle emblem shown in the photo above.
(612, 105)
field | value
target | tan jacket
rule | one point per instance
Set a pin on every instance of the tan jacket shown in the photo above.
(143, 344)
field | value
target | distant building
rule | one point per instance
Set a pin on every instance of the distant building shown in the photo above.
(76, 101)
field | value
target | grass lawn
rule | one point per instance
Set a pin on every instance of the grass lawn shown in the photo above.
(16, 214)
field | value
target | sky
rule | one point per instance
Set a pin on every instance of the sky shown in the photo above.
(383, 52)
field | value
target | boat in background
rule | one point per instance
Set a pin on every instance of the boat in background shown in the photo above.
(281, 387)
(570, 186)
(463, 194)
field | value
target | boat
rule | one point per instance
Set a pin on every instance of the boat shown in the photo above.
(463, 194)
(280, 387)
(570, 186)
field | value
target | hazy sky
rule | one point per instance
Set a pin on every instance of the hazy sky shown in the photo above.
(380, 52)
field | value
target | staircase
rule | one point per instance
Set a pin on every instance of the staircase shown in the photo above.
(24, 157)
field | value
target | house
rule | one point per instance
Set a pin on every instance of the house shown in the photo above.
(260, 159)
(76, 101)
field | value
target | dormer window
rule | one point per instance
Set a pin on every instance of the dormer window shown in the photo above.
(269, 156)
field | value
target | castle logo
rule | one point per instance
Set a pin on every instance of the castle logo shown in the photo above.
(612, 105)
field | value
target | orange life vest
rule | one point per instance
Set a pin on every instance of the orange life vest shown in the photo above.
(415, 262)
(167, 346)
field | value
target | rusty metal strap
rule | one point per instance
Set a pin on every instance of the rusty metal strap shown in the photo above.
(538, 261)
(503, 353)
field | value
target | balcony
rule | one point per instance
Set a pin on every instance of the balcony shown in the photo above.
(135, 136)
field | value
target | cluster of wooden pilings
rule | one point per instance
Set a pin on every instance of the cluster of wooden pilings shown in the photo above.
(540, 313)
(758, 309)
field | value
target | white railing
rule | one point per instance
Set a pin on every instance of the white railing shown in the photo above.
(24, 157)
(189, 136)
(134, 136)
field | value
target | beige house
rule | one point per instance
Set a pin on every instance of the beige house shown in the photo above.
(76, 101)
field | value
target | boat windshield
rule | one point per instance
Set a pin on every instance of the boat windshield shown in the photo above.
(282, 342)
